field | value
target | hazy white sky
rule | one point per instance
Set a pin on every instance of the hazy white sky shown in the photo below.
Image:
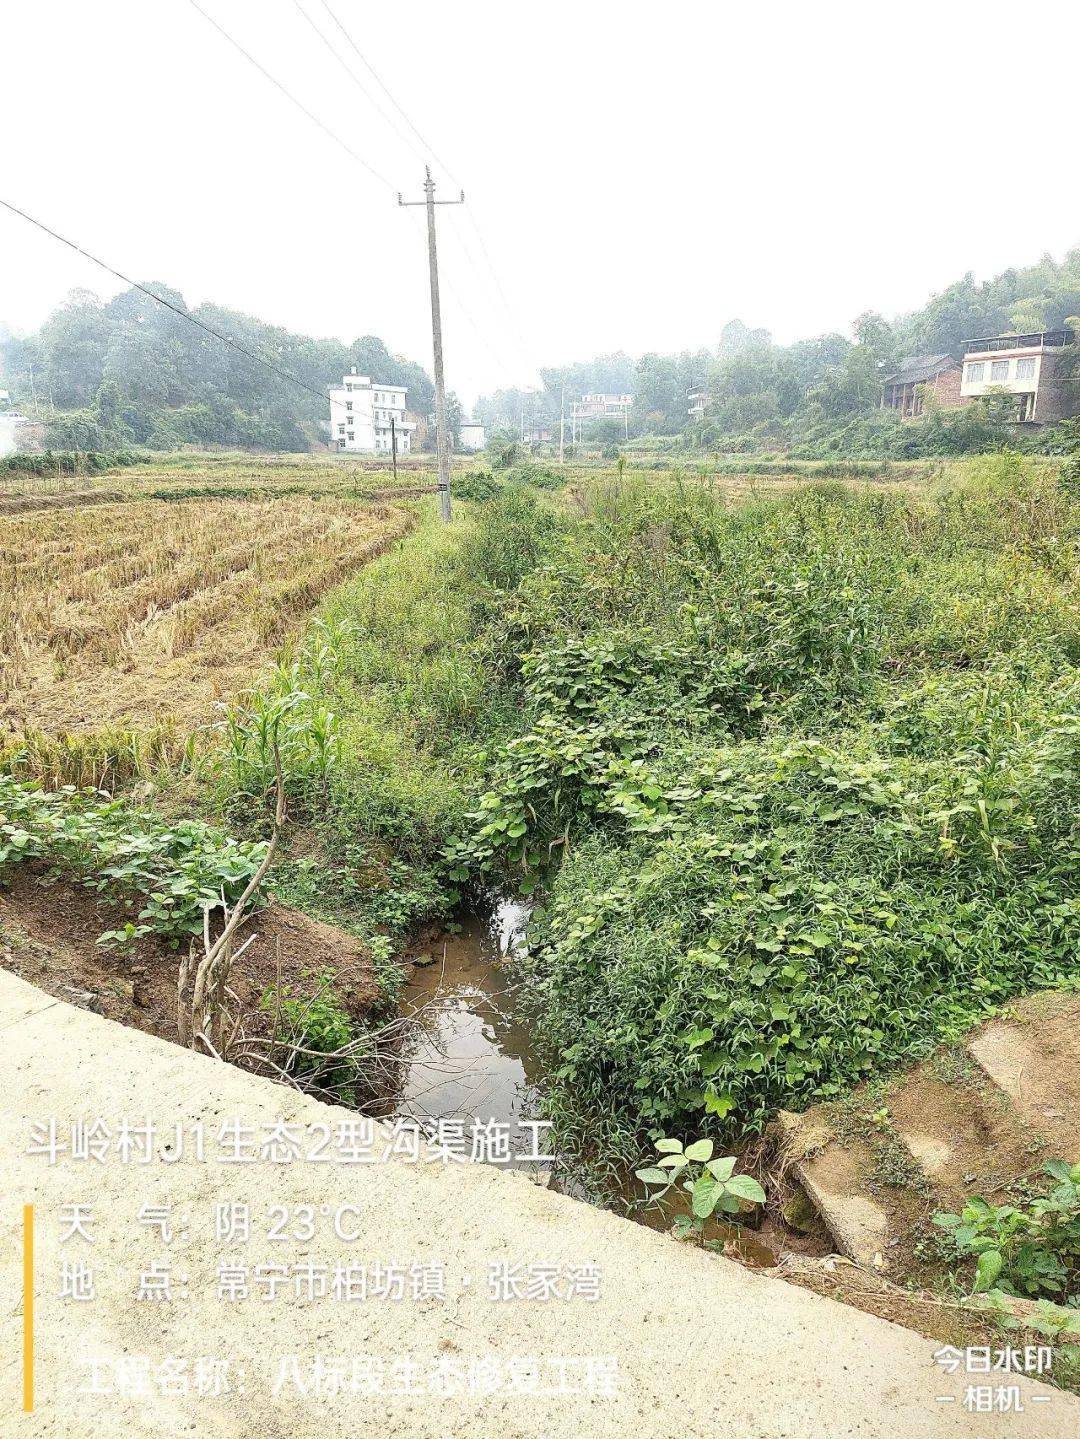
(639, 174)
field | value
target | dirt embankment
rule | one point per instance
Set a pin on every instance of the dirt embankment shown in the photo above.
(19, 504)
(49, 935)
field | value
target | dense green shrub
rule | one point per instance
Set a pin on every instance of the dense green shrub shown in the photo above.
(808, 771)
(542, 477)
(476, 485)
(67, 462)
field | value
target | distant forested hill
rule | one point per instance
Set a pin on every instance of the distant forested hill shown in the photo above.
(127, 371)
(821, 394)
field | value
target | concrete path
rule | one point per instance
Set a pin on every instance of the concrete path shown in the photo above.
(703, 1346)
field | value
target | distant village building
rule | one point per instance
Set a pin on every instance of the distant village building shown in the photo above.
(19, 433)
(597, 407)
(918, 376)
(696, 399)
(367, 416)
(600, 407)
(1027, 366)
(472, 436)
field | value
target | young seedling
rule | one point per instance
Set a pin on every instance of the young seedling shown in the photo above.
(712, 1184)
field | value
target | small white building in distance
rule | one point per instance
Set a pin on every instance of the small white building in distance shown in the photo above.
(366, 417)
(17, 432)
(472, 436)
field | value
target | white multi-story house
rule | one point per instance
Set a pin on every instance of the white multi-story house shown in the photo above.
(1029, 367)
(367, 417)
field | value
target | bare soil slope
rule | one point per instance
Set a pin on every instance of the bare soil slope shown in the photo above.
(49, 933)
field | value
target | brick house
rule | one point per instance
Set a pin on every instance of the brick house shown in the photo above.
(919, 375)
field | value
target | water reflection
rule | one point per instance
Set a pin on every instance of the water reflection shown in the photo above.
(470, 1058)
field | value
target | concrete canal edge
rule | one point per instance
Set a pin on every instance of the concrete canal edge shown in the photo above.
(704, 1346)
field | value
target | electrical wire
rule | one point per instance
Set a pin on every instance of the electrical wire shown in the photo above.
(372, 72)
(466, 313)
(429, 152)
(184, 314)
(368, 96)
(333, 135)
(346, 147)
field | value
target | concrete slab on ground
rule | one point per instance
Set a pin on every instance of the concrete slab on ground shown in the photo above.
(704, 1347)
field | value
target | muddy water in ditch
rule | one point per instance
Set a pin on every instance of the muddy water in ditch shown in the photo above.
(470, 1057)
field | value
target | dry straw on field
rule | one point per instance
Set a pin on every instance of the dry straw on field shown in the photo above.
(135, 618)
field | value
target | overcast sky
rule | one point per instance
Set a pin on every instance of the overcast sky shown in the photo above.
(638, 174)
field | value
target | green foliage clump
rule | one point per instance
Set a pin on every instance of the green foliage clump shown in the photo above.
(320, 1042)
(178, 869)
(808, 773)
(541, 477)
(1030, 1250)
(503, 451)
(67, 462)
(476, 485)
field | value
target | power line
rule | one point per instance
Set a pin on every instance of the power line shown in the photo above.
(429, 152)
(338, 140)
(420, 154)
(372, 72)
(291, 97)
(522, 344)
(468, 317)
(184, 314)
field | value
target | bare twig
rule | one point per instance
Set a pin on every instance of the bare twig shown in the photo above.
(207, 1021)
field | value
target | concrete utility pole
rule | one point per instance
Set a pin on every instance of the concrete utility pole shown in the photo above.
(442, 439)
(562, 422)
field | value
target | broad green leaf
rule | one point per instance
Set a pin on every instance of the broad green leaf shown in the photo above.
(719, 1104)
(745, 1187)
(722, 1169)
(653, 1176)
(699, 1151)
(987, 1270)
(705, 1194)
(695, 1038)
(669, 1146)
